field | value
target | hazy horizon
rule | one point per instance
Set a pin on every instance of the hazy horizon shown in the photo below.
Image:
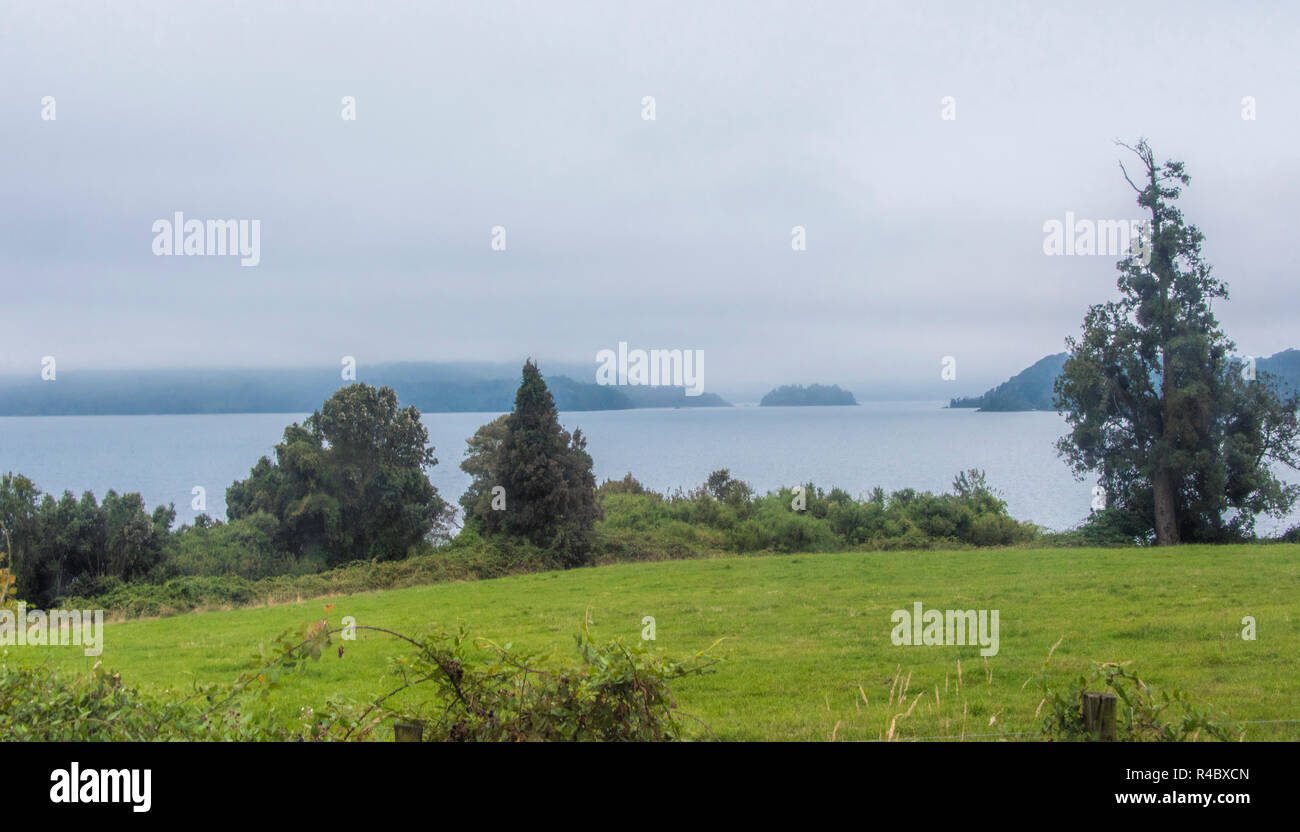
(920, 391)
(924, 235)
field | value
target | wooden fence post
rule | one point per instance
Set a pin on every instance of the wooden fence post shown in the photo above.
(408, 732)
(1099, 715)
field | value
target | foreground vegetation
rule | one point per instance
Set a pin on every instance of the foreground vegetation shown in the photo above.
(721, 517)
(470, 691)
(806, 651)
(217, 566)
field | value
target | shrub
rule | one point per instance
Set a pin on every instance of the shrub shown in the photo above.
(722, 516)
(628, 485)
(36, 705)
(477, 691)
(482, 691)
(244, 547)
(1141, 714)
(1107, 527)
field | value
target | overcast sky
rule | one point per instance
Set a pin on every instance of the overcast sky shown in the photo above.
(924, 235)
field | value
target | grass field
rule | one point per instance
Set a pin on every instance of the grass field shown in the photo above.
(807, 637)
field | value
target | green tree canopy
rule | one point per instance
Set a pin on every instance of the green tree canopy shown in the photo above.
(64, 546)
(480, 463)
(349, 483)
(1181, 438)
(547, 492)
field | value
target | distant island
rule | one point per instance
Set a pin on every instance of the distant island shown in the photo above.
(432, 387)
(796, 395)
(1032, 388)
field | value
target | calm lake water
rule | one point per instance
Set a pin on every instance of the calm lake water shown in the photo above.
(893, 445)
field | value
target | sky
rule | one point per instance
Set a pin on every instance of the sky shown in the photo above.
(924, 233)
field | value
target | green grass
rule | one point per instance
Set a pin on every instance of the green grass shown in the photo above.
(806, 636)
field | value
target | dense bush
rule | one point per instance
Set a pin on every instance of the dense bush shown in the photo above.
(1142, 714)
(486, 692)
(473, 691)
(1106, 527)
(244, 548)
(468, 558)
(36, 705)
(216, 564)
(139, 598)
(814, 520)
(62, 546)
(722, 516)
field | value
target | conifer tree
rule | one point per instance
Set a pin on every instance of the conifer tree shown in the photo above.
(547, 490)
(1182, 435)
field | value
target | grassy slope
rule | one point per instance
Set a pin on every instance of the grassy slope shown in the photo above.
(805, 631)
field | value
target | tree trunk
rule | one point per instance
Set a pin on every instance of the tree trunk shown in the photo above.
(1162, 488)
(1162, 481)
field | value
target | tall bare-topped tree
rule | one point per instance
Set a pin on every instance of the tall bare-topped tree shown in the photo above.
(1180, 433)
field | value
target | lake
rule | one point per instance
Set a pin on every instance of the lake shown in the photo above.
(921, 445)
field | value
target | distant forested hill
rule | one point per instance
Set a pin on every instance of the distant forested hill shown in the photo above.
(433, 388)
(813, 394)
(1031, 389)
(1284, 367)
